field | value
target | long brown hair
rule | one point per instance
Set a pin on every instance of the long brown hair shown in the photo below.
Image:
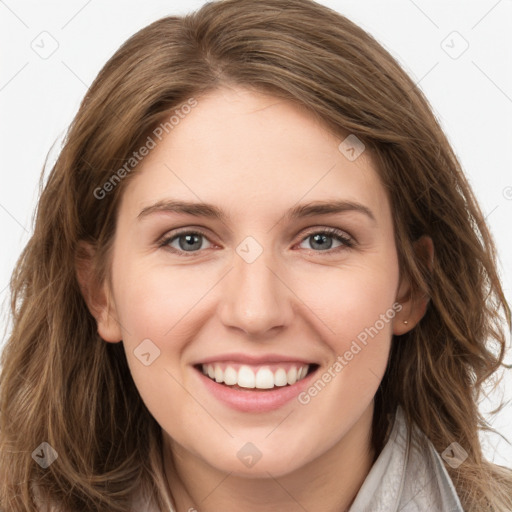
(62, 384)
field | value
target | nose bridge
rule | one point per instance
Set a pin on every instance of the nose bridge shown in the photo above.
(256, 299)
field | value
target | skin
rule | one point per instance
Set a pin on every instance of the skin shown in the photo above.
(256, 156)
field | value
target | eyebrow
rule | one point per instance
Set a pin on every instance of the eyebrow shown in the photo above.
(300, 211)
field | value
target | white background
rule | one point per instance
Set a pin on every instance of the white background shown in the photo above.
(471, 96)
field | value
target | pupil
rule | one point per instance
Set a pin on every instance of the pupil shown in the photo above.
(322, 238)
(190, 241)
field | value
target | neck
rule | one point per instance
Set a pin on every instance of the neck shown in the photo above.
(328, 483)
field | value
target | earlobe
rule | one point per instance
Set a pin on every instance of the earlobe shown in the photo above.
(414, 306)
(96, 295)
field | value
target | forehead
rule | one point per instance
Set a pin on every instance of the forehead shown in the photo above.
(252, 151)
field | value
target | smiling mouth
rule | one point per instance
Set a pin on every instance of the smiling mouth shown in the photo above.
(246, 377)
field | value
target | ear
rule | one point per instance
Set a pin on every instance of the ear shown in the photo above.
(97, 296)
(413, 306)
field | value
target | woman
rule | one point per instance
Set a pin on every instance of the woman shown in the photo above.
(258, 280)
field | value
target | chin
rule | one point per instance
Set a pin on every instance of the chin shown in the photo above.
(271, 468)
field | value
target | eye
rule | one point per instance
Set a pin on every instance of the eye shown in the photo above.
(186, 241)
(191, 241)
(322, 240)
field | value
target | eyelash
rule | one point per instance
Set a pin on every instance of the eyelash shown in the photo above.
(347, 242)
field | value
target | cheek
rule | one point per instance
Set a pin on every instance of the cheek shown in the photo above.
(349, 301)
(154, 301)
(356, 306)
(153, 306)
(167, 306)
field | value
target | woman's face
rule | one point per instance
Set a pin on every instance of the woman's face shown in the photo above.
(252, 287)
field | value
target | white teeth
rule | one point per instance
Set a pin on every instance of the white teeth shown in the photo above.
(280, 378)
(264, 378)
(291, 376)
(246, 378)
(230, 376)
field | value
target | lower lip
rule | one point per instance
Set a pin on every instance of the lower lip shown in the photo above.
(252, 400)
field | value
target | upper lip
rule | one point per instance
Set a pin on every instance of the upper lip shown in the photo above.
(254, 359)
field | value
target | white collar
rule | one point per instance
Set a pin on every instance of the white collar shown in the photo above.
(407, 478)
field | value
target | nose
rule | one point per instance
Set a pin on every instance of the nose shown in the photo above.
(256, 298)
